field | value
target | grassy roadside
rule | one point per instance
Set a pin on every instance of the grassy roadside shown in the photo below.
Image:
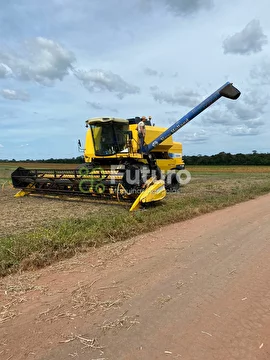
(205, 193)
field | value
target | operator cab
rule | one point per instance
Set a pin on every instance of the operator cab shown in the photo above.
(110, 135)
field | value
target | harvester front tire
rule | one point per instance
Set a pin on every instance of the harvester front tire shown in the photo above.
(174, 185)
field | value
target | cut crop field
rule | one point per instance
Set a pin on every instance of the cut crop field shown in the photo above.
(229, 169)
(35, 232)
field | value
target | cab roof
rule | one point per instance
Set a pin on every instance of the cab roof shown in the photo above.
(99, 120)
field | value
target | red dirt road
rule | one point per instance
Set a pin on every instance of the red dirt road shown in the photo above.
(197, 290)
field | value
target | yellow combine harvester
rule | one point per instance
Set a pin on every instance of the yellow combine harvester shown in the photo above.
(116, 167)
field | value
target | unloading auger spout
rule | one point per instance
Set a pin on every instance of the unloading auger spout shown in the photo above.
(227, 90)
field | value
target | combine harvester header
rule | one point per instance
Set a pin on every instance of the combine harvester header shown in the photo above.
(114, 163)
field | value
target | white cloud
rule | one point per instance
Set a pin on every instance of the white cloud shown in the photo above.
(218, 117)
(247, 112)
(183, 7)
(261, 71)
(242, 111)
(95, 105)
(257, 99)
(100, 80)
(178, 7)
(15, 95)
(250, 107)
(5, 71)
(254, 123)
(1, 146)
(250, 40)
(179, 97)
(98, 106)
(243, 131)
(196, 137)
(42, 60)
(23, 145)
(151, 72)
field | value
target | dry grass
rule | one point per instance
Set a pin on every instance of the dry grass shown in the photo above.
(56, 313)
(13, 292)
(86, 342)
(83, 300)
(124, 322)
(7, 312)
(163, 299)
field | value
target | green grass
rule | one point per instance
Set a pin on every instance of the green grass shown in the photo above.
(205, 193)
(5, 172)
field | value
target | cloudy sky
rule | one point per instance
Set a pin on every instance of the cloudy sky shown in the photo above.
(64, 61)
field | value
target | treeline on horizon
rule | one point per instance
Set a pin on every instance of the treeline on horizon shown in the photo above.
(229, 159)
(218, 159)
